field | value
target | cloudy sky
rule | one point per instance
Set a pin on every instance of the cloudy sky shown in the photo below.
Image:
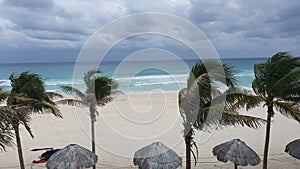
(55, 30)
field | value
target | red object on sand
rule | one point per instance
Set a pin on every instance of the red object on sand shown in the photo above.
(39, 161)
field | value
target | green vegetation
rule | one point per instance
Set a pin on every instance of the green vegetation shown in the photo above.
(98, 92)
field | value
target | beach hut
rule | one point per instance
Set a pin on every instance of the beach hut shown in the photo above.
(293, 148)
(237, 152)
(72, 156)
(156, 156)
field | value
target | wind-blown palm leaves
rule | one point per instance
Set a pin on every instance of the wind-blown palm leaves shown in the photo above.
(203, 106)
(6, 136)
(98, 92)
(27, 96)
(277, 86)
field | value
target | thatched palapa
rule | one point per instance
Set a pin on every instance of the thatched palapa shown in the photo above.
(237, 152)
(293, 148)
(156, 156)
(72, 156)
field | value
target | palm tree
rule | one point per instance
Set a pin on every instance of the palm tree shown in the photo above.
(202, 105)
(277, 86)
(6, 136)
(27, 96)
(98, 92)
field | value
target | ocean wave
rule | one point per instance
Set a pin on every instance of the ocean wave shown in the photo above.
(151, 77)
(245, 74)
(63, 82)
(139, 84)
(4, 82)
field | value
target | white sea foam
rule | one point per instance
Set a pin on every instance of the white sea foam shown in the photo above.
(4, 82)
(139, 84)
(63, 82)
(153, 80)
(245, 74)
(184, 76)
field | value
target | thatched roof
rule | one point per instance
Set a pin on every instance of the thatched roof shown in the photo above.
(72, 157)
(293, 148)
(237, 152)
(156, 156)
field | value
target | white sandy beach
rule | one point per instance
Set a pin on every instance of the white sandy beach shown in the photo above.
(136, 120)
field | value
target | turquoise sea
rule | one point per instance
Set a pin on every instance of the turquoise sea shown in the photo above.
(132, 76)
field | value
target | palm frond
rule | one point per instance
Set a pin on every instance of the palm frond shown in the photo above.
(27, 127)
(23, 83)
(231, 79)
(198, 93)
(294, 99)
(6, 139)
(73, 91)
(104, 86)
(104, 101)
(53, 95)
(6, 135)
(91, 73)
(259, 83)
(73, 102)
(51, 108)
(289, 110)
(32, 105)
(181, 97)
(223, 73)
(89, 79)
(24, 119)
(19, 98)
(237, 98)
(116, 92)
(233, 119)
(289, 81)
(278, 67)
(195, 155)
(292, 90)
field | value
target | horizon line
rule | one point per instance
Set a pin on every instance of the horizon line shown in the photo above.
(43, 62)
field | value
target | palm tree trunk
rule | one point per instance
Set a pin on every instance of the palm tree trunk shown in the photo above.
(267, 139)
(92, 107)
(93, 135)
(19, 145)
(188, 147)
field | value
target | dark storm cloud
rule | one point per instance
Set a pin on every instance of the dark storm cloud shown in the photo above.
(38, 15)
(253, 18)
(30, 4)
(233, 26)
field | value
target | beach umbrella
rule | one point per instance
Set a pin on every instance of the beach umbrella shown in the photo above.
(156, 156)
(237, 152)
(72, 156)
(293, 148)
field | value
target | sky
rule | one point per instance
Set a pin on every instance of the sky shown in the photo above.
(56, 31)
